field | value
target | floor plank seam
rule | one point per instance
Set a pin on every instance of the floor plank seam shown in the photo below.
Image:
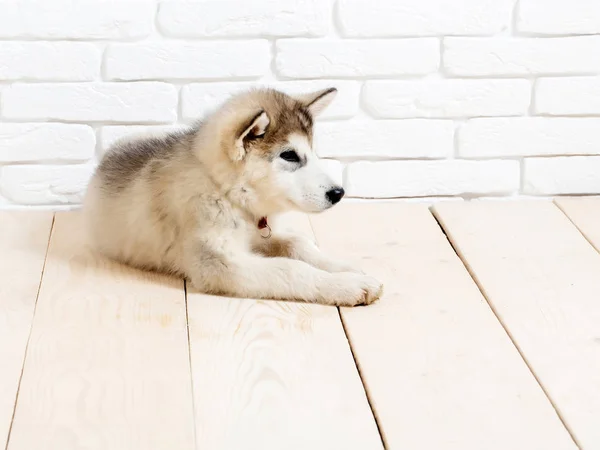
(364, 385)
(187, 327)
(575, 225)
(37, 295)
(502, 324)
(360, 375)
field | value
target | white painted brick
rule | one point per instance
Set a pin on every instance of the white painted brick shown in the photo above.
(58, 19)
(118, 102)
(558, 17)
(309, 58)
(412, 138)
(198, 99)
(521, 56)
(529, 136)
(388, 179)
(111, 134)
(270, 18)
(182, 60)
(72, 61)
(447, 98)
(393, 18)
(562, 175)
(43, 185)
(568, 96)
(27, 142)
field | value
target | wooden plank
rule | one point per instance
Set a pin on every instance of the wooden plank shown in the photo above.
(440, 371)
(107, 365)
(584, 212)
(543, 279)
(275, 375)
(23, 243)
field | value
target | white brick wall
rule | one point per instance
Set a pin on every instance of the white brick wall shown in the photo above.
(31, 142)
(313, 58)
(528, 136)
(385, 139)
(500, 56)
(61, 61)
(362, 18)
(205, 60)
(259, 18)
(447, 98)
(431, 178)
(573, 96)
(64, 19)
(557, 17)
(562, 175)
(40, 185)
(436, 97)
(198, 99)
(91, 102)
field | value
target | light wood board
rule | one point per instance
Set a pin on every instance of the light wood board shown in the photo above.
(440, 371)
(543, 279)
(274, 375)
(23, 243)
(584, 212)
(107, 365)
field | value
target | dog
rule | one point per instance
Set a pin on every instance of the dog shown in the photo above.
(197, 203)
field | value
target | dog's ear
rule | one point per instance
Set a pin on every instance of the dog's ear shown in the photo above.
(252, 129)
(316, 102)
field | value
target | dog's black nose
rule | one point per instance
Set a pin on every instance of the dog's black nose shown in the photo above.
(335, 195)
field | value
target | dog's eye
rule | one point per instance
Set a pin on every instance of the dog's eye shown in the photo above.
(290, 155)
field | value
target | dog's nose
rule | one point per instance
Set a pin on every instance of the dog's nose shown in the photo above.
(335, 195)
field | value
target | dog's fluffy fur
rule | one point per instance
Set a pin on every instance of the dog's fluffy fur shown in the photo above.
(189, 203)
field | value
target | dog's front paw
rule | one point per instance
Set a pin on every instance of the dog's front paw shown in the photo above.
(333, 266)
(350, 289)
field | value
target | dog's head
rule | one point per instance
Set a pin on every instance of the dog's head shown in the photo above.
(270, 137)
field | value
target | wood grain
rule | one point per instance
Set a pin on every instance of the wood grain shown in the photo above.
(107, 365)
(584, 212)
(23, 243)
(543, 279)
(440, 371)
(274, 375)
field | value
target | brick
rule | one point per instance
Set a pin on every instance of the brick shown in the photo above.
(118, 102)
(412, 138)
(176, 60)
(562, 175)
(310, 58)
(38, 61)
(568, 96)
(45, 185)
(521, 56)
(389, 179)
(26, 142)
(545, 17)
(198, 99)
(76, 20)
(447, 98)
(392, 18)
(261, 18)
(529, 136)
(110, 134)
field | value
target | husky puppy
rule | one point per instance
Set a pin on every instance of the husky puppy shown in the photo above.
(198, 203)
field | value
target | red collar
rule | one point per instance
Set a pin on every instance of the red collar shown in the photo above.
(262, 224)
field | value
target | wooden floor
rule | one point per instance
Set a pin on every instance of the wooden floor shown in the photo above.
(487, 337)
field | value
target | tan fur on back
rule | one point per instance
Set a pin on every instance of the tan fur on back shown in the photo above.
(189, 203)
